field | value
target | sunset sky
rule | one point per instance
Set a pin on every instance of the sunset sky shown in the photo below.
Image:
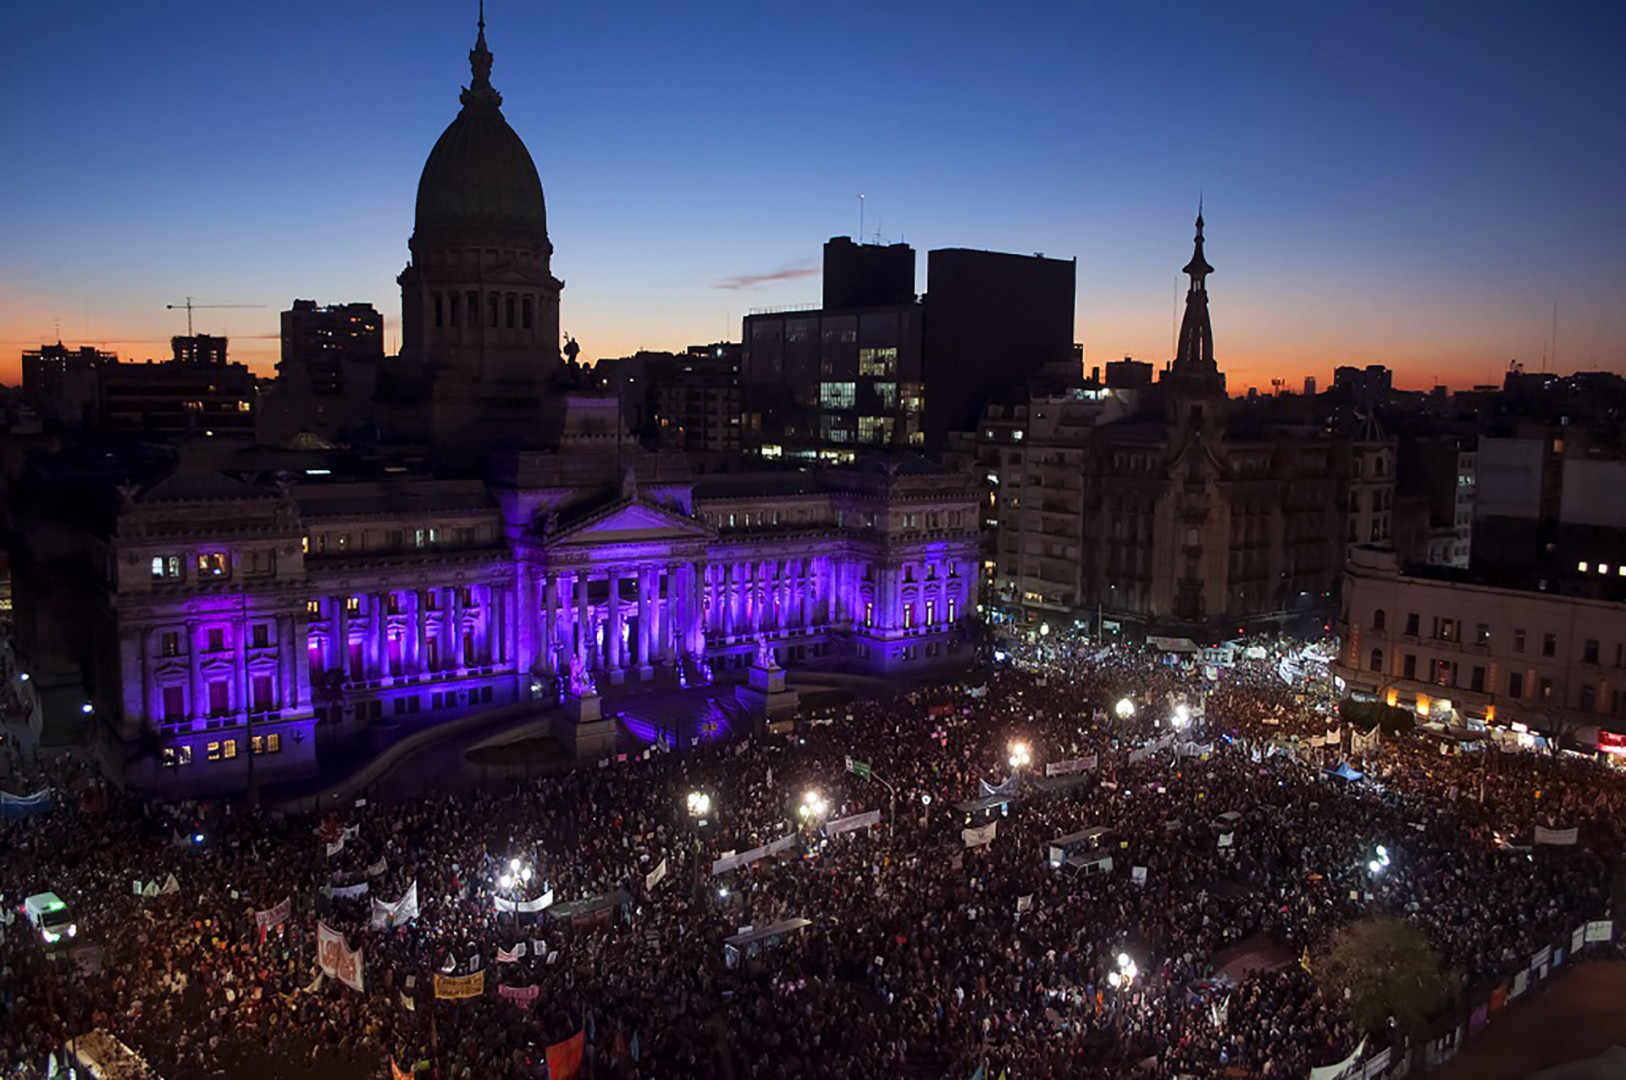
(1416, 184)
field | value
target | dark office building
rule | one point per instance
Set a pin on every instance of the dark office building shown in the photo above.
(199, 350)
(179, 400)
(697, 400)
(328, 371)
(64, 384)
(992, 321)
(867, 275)
(831, 383)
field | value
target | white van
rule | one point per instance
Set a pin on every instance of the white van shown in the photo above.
(50, 917)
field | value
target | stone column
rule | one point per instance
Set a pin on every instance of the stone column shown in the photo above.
(454, 618)
(550, 623)
(298, 695)
(420, 643)
(339, 638)
(612, 630)
(646, 609)
(584, 625)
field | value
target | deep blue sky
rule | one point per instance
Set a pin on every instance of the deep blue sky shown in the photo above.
(1412, 183)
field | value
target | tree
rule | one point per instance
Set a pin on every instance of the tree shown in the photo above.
(1383, 966)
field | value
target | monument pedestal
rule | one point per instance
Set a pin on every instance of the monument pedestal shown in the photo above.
(582, 732)
(765, 695)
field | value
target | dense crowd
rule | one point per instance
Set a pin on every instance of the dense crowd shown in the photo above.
(924, 956)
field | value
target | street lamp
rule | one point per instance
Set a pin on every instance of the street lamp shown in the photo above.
(699, 804)
(813, 807)
(1125, 708)
(1182, 717)
(1126, 973)
(1020, 755)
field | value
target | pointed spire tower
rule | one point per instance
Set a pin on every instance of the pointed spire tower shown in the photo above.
(1194, 368)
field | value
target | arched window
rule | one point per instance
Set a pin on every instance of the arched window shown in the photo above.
(1377, 659)
(1378, 619)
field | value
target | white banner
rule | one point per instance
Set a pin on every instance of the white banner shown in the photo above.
(848, 824)
(1521, 983)
(1559, 837)
(378, 867)
(1600, 931)
(271, 916)
(1226, 838)
(338, 960)
(388, 916)
(1577, 940)
(979, 837)
(1542, 957)
(1076, 765)
(348, 892)
(170, 886)
(1024, 903)
(784, 843)
(541, 903)
(1137, 875)
(335, 847)
(655, 877)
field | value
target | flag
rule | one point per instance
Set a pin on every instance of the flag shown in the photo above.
(396, 1072)
(978, 1074)
(408, 1003)
(565, 1058)
(633, 1048)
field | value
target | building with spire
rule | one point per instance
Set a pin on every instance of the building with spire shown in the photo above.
(241, 616)
(1172, 509)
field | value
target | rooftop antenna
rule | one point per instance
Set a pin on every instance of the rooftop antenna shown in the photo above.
(58, 323)
(860, 215)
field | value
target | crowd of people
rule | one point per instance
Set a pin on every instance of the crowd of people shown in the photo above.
(923, 954)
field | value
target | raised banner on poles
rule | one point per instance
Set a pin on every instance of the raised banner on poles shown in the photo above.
(655, 876)
(271, 916)
(1076, 765)
(338, 960)
(450, 988)
(389, 916)
(980, 836)
(1559, 837)
(541, 903)
(519, 995)
(855, 821)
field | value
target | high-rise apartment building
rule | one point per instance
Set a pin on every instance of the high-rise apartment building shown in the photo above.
(328, 372)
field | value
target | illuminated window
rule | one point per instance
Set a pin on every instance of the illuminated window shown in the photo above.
(175, 756)
(837, 395)
(931, 612)
(908, 616)
(228, 749)
(305, 544)
(880, 363)
(169, 644)
(212, 565)
(1581, 566)
(953, 609)
(214, 751)
(269, 744)
(869, 614)
(313, 608)
(352, 605)
(166, 567)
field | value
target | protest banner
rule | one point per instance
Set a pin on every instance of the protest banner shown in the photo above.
(519, 995)
(979, 836)
(848, 824)
(337, 959)
(454, 988)
(655, 876)
(271, 916)
(389, 916)
(541, 903)
(1557, 837)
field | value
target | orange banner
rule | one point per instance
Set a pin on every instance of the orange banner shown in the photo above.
(565, 1059)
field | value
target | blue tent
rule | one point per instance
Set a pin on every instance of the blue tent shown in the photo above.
(1345, 772)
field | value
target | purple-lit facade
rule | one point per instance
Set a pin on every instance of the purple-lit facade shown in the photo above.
(297, 618)
(504, 543)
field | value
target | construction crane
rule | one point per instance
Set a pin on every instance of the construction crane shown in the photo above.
(189, 305)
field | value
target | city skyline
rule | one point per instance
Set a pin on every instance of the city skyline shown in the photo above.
(1368, 200)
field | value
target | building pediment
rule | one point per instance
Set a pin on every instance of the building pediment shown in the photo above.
(627, 521)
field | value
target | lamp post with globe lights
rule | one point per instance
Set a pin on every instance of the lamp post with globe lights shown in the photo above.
(698, 804)
(1125, 709)
(514, 881)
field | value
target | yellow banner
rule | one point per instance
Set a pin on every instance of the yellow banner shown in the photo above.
(464, 986)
